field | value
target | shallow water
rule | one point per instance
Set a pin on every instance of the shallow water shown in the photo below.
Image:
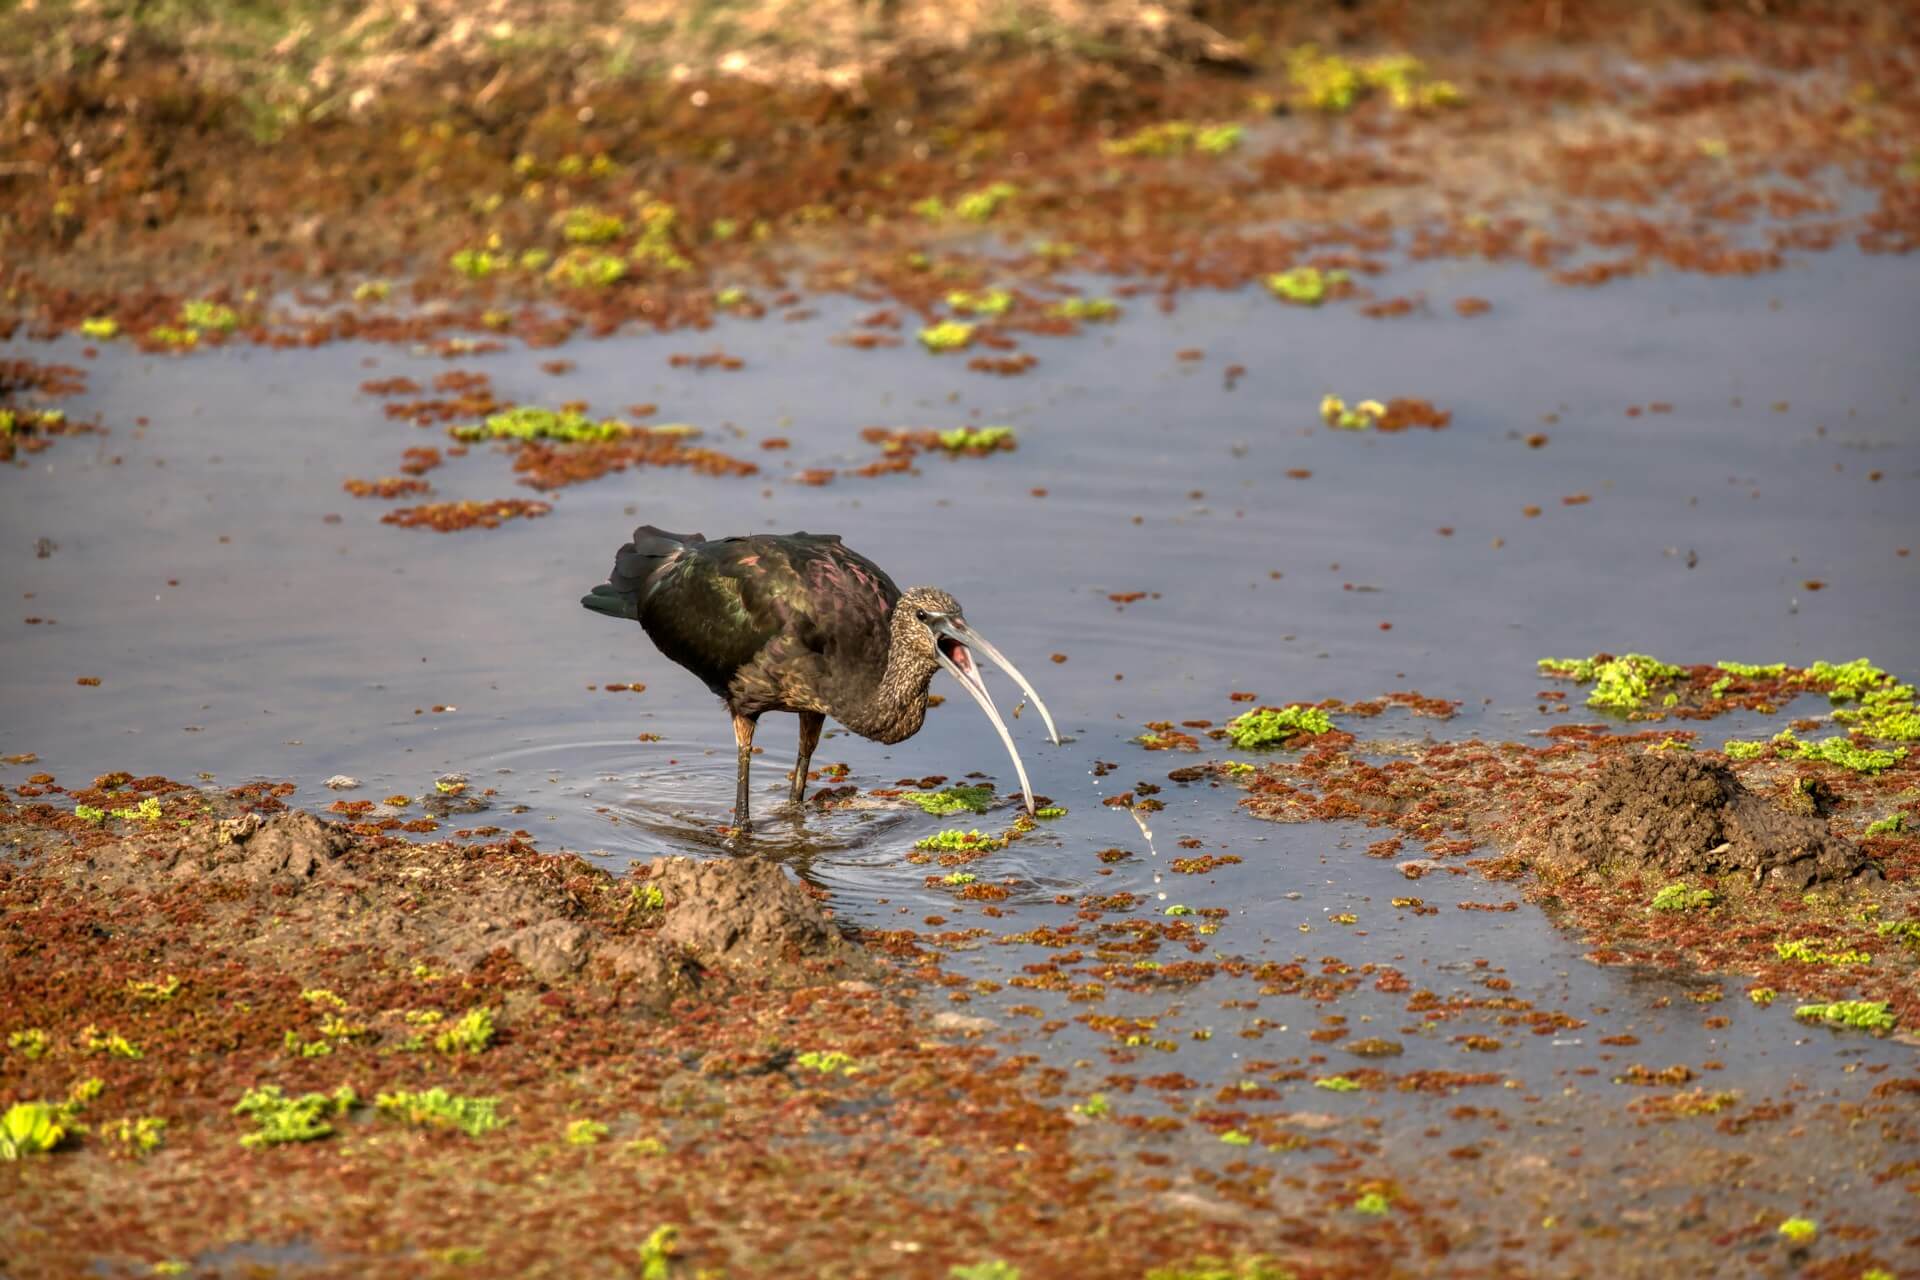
(295, 648)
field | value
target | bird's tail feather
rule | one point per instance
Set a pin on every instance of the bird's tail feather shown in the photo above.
(615, 604)
(633, 564)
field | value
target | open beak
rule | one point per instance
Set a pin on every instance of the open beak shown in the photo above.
(954, 643)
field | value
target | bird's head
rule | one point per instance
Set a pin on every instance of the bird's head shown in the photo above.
(929, 623)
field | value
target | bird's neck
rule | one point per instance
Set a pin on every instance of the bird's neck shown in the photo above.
(892, 708)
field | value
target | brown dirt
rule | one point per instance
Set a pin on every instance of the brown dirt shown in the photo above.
(1677, 816)
(290, 883)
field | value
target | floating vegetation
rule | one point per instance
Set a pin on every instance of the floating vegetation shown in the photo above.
(1841, 752)
(828, 1062)
(372, 291)
(977, 440)
(1681, 897)
(1806, 951)
(951, 800)
(451, 517)
(1799, 1231)
(278, 1118)
(134, 1135)
(1175, 138)
(1330, 83)
(479, 264)
(31, 1128)
(591, 226)
(529, 422)
(202, 314)
(982, 205)
(1277, 726)
(173, 336)
(948, 335)
(1092, 309)
(1396, 414)
(585, 1133)
(960, 842)
(157, 991)
(1336, 1084)
(1866, 1015)
(100, 327)
(1620, 684)
(435, 1108)
(657, 245)
(471, 1034)
(991, 302)
(588, 269)
(1305, 286)
(111, 1043)
(30, 1043)
(1359, 418)
(1373, 1204)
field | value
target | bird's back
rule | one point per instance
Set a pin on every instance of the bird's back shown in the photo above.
(766, 621)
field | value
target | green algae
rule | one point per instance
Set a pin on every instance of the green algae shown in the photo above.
(1865, 1015)
(1799, 1231)
(1373, 1204)
(977, 439)
(479, 264)
(435, 1108)
(471, 1034)
(956, 841)
(1047, 813)
(280, 1119)
(587, 225)
(1093, 309)
(135, 1135)
(100, 327)
(585, 1133)
(1763, 996)
(948, 335)
(982, 205)
(1621, 684)
(1806, 951)
(174, 336)
(163, 990)
(529, 422)
(111, 1043)
(203, 314)
(1211, 1267)
(828, 1062)
(1838, 751)
(1276, 726)
(1329, 83)
(1682, 897)
(962, 799)
(1237, 1138)
(1304, 286)
(1095, 1107)
(1891, 825)
(1177, 137)
(990, 302)
(1768, 671)
(372, 290)
(588, 269)
(1362, 417)
(30, 1042)
(1336, 1084)
(959, 878)
(31, 1128)
(991, 1269)
(1178, 910)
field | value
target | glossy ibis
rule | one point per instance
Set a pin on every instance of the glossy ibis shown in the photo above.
(801, 623)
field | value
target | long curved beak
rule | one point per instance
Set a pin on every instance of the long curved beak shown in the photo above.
(953, 648)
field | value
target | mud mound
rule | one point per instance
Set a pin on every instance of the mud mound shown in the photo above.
(1677, 816)
(739, 912)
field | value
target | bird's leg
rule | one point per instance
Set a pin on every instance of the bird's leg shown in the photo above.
(810, 724)
(742, 735)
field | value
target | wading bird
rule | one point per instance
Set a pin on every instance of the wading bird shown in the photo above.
(800, 623)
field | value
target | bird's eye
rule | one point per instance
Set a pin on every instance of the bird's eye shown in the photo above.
(925, 616)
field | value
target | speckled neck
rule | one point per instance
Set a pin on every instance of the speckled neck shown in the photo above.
(894, 709)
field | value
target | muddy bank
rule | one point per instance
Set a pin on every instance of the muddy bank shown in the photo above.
(358, 1056)
(1802, 877)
